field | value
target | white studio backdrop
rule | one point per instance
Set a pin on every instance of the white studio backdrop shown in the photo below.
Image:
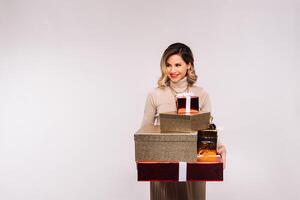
(74, 76)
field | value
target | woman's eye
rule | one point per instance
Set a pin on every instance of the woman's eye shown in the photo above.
(168, 65)
(178, 65)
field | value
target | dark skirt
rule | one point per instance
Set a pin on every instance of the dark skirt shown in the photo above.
(177, 190)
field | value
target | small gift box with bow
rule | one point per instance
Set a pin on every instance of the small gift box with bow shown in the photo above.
(187, 103)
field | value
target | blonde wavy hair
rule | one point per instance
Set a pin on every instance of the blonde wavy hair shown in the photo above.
(187, 56)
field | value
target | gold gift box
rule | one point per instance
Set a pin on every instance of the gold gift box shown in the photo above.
(174, 122)
(152, 144)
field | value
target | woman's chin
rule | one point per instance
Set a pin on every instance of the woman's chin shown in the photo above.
(174, 80)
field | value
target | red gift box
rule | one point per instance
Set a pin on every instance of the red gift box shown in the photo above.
(180, 171)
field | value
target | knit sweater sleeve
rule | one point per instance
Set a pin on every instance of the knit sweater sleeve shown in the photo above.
(206, 106)
(150, 110)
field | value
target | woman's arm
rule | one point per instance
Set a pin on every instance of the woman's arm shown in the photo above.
(206, 103)
(221, 150)
(149, 111)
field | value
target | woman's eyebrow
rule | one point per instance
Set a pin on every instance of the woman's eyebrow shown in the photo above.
(177, 63)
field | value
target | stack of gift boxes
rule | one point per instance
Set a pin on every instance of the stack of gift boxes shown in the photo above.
(181, 148)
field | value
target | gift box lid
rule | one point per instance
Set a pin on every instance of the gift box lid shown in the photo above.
(153, 133)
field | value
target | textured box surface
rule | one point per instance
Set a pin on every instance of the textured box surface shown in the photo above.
(174, 122)
(153, 145)
(171, 171)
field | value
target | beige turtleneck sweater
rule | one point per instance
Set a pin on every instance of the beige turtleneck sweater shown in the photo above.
(161, 100)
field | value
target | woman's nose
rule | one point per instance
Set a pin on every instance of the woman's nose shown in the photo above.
(173, 69)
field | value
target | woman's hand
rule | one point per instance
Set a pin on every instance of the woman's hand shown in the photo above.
(221, 150)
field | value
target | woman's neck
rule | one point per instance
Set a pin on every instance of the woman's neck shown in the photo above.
(179, 86)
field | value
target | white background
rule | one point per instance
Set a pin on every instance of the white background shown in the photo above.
(74, 76)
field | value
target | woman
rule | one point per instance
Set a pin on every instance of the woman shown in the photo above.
(177, 76)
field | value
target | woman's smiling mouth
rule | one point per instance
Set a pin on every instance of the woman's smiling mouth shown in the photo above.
(173, 75)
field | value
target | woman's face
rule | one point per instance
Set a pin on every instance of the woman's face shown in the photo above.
(176, 68)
